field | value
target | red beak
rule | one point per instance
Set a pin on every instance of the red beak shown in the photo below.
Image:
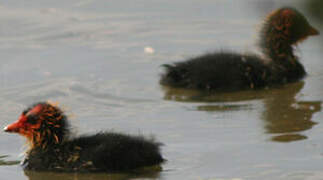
(14, 127)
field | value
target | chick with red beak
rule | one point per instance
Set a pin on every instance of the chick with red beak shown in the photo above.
(52, 148)
(26, 123)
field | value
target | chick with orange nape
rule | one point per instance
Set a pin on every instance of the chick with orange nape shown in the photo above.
(49, 127)
(53, 149)
(230, 71)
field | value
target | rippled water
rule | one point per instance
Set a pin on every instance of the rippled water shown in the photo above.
(90, 57)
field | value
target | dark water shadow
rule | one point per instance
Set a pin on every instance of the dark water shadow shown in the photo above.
(223, 107)
(285, 117)
(4, 162)
(185, 95)
(215, 101)
(33, 175)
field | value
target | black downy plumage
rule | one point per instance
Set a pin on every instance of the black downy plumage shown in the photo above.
(227, 71)
(52, 149)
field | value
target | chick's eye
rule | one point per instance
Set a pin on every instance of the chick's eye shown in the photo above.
(32, 119)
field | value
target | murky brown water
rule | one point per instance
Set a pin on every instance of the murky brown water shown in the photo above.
(89, 56)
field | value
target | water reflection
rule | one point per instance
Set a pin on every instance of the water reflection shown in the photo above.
(32, 175)
(284, 116)
(185, 95)
(224, 107)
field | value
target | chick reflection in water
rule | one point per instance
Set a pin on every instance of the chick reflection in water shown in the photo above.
(34, 175)
(287, 117)
(284, 116)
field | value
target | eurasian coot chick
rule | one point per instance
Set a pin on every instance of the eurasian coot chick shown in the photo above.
(52, 149)
(227, 71)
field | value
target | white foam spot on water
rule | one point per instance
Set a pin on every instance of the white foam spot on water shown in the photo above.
(149, 50)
